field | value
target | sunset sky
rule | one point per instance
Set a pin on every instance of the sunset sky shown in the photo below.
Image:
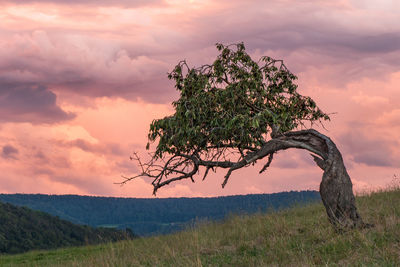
(81, 80)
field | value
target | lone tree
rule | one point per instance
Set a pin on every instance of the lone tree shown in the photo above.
(236, 112)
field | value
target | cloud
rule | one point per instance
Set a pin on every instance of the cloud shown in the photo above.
(292, 159)
(30, 103)
(123, 3)
(343, 41)
(368, 100)
(104, 148)
(391, 118)
(375, 151)
(129, 59)
(78, 65)
(91, 76)
(9, 152)
(179, 190)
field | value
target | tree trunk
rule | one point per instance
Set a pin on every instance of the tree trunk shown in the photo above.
(336, 189)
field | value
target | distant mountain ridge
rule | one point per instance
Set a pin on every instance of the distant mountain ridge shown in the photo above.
(158, 215)
(23, 229)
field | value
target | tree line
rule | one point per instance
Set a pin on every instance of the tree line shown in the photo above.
(154, 216)
(23, 229)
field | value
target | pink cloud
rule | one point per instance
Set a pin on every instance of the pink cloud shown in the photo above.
(81, 82)
(124, 3)
(78, 65)
(373, 151)
(390, 118)
(26, 103)
(9, 152)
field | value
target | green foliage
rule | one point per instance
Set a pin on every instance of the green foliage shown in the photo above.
(154, 216)
(299, 236)
(234, 102)
(22, 229)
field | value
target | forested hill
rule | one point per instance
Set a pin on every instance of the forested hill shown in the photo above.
(154, 216)
(23, 229)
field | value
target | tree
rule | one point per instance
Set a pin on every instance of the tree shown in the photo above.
(236, 112)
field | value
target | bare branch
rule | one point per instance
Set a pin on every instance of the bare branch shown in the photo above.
(206, 173)
(181, 166)
(270, 157)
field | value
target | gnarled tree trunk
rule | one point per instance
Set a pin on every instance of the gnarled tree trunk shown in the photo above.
(336, 189)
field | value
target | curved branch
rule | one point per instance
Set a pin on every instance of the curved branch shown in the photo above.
(335, 189)
(310, 140)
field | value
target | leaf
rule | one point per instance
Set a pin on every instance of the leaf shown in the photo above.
(212, 112)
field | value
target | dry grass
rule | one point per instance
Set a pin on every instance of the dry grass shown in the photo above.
(299, 236)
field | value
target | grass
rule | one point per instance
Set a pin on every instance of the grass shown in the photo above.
(299, 236)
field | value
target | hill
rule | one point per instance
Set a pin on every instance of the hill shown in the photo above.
(22, 229)
(299, 236)
(154, 215)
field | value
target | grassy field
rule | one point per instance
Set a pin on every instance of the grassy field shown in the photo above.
(299, 236)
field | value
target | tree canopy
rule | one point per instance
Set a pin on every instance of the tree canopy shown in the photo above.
(235, 102)
(235, 112)
(227, 112)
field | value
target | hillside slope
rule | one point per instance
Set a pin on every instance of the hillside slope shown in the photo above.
(299, 236)
(154, 215)
(22, 229)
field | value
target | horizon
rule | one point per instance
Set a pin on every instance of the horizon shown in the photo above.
(80, 84)
(155, 197)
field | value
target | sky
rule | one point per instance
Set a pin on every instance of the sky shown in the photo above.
(81, 80)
